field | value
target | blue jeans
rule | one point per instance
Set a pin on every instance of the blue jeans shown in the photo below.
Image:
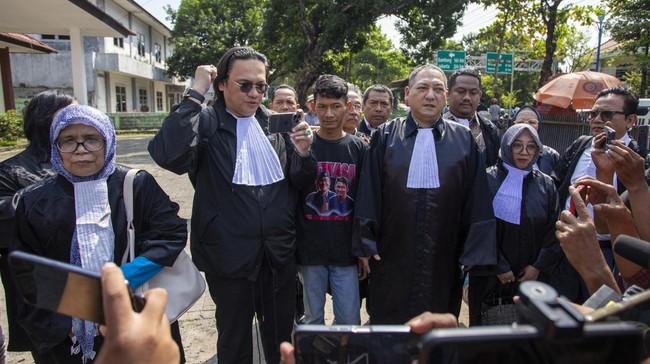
(344, 284)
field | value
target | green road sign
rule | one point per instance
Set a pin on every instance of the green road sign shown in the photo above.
(505, 62)
(451, 60)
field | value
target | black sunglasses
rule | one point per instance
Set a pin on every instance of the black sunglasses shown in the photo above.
(604, 115)
(246, 86)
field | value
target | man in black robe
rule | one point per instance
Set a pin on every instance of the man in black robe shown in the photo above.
(423, 207)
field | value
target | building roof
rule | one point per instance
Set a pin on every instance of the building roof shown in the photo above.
(57, 17)
(23, 43)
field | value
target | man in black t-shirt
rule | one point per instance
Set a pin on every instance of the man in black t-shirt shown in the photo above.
(324, 226)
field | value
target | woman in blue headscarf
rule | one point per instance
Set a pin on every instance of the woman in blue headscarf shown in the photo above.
(549, 157)
(79, 217)
(526, 207)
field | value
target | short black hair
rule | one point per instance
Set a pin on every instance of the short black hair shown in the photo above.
(226, 61)
(38, 118)
(467, 71)
(378, 88)
(419, 69)
(630, 101)
(342, 180)
(283, 86)
(331, 86)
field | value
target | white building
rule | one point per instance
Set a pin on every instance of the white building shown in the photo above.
(121, 74)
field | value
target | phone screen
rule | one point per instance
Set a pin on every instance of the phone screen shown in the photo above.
(61, 287)
(355, 344)
(601, 343)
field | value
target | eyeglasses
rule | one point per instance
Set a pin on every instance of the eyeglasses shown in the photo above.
(604, 115)
(246, 86)
(70, 146)
(519, 148)
(356, 107)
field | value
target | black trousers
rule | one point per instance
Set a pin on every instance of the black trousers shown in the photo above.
(272, 297)
(18, 338)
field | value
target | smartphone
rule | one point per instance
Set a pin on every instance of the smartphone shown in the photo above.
(61, 287)
(611, 136)
(283, 122)
(619, 342)
(392, 344)
(583, 191)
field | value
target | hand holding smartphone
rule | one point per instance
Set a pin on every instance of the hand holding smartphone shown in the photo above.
(62, 287)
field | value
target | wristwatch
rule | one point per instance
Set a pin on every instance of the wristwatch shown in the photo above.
(189, 92)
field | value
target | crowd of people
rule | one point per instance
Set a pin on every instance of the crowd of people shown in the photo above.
(409, 214)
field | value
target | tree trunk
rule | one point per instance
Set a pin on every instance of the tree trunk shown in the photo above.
(551, 43)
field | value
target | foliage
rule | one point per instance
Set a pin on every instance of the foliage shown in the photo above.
(11, 127)
(630, 26)
(304, 39)
(205, 29)
(377, 62)
(541, 28)
(520, 28)
(633, 81)
(425, 27)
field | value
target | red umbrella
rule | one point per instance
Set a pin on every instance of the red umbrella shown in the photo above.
(578, 89)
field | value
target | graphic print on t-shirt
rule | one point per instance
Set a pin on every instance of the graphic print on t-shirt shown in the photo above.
(331, 201)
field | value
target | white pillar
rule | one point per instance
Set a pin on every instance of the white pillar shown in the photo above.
(78, 66)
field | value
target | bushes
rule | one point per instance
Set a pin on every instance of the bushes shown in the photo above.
(11, 127)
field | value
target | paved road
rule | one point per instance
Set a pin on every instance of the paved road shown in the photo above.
(198, 324)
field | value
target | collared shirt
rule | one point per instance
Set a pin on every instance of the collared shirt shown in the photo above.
(372, 130)
(475, 127)
(585, 167)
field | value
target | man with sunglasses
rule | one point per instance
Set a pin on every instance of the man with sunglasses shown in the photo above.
(615, 108)
(246, 182)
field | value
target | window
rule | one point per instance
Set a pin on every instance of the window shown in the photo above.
(157, 52)
(159, 101)
(54, 37)
(120, 97)
(141, 50)
(119, 42)
(142, 96)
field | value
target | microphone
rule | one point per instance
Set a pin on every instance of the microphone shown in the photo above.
(633, 249)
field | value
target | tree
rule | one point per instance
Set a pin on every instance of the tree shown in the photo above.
(304, 39)
(377, 62)
(630, 26)
(205, 29)
(543, 22)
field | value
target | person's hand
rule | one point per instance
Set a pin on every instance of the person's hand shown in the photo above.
(286, 353)
(365, 265)
(428, 321)
(629, 165)
(604, 166)
(132, 337)
(506, 277)
(302, 137)
(529, 273)
(608, 205)
(203, 78)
